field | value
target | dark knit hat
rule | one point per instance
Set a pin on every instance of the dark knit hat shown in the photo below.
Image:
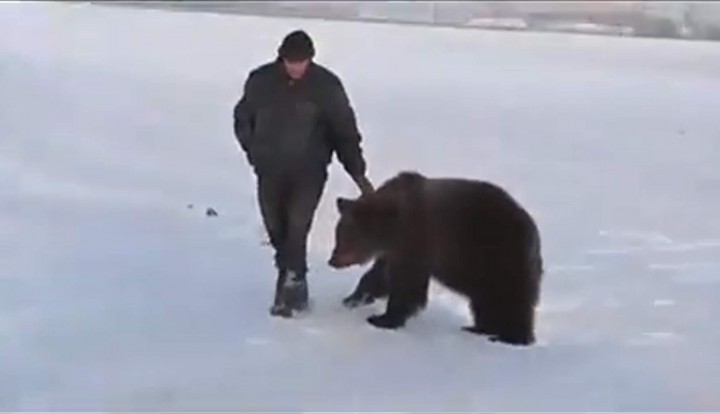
(297, 46)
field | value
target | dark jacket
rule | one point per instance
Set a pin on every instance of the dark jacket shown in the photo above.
(282, 123)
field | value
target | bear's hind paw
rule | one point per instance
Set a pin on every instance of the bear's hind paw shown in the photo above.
(514, 340)
(476, 330)
(385, 321)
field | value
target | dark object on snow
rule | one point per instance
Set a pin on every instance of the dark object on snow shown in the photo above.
(289, 122)
(210, 212)
(190, 206)
(471, 236)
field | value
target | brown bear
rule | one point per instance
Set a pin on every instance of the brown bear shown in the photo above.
(471, 236)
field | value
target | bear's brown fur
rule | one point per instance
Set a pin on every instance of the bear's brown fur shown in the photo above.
(471, 236)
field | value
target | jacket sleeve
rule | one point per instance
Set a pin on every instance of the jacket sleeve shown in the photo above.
(244, 113)
(344, 134)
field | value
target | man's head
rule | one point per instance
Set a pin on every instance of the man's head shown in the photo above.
(296, 52)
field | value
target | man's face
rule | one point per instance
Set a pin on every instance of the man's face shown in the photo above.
(296, 69)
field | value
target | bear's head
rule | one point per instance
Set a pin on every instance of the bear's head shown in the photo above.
(364, 231)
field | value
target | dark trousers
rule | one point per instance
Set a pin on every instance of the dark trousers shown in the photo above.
(288, 201)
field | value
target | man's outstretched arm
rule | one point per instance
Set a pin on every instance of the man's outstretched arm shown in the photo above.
(346, 137)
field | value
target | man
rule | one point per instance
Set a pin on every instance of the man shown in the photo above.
(292, 116)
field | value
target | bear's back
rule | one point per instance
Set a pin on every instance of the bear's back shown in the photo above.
(471, 197)
(463, 209)
(459, 210)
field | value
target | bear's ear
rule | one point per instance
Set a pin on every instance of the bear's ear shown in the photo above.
(343, 204)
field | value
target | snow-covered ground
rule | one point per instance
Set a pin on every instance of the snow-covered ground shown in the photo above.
(114, 295)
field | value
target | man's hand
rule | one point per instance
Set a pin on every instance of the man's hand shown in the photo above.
(364, 185)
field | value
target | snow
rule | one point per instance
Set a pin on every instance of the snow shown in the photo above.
(115, 296)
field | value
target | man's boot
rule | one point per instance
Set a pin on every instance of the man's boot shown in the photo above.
(296, 291)
(291, 294)
(279, 307)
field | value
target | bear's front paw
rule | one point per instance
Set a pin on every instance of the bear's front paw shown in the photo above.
(353, 301)
(385, 321)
